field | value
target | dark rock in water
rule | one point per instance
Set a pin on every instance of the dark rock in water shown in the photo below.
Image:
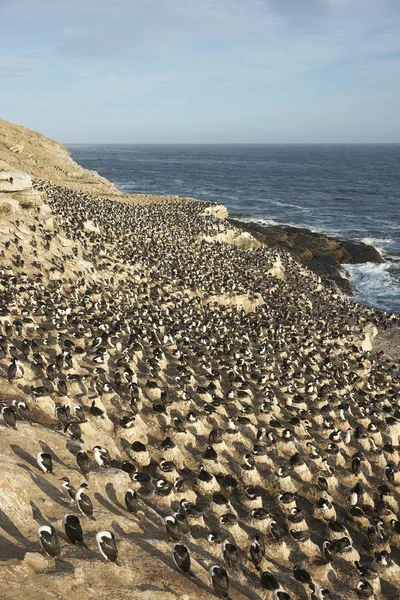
(362, 253)
(329, 272)
(319, 252)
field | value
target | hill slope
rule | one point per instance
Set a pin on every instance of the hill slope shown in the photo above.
(227, 378)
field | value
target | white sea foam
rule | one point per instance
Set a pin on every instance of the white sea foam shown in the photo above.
(298, 225)
(287, 205)
(125, 186)
(374, 283)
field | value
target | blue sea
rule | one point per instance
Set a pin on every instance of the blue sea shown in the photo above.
(349, 191)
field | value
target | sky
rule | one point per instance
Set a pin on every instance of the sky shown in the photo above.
(202, 71)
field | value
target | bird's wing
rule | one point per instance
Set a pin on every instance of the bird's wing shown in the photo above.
(50, 543)
(109, 548)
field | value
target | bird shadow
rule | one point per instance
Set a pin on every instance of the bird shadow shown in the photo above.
(46, 448)
(108, 506)
(112, 495)
(8, 526)
(150, 549)
(10, 550)
(63, 567)
(24, 455)
(37, 514)
(46, 487)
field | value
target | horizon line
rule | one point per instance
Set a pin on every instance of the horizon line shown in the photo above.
(231, 143)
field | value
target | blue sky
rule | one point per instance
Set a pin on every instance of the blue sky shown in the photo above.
(223, 71)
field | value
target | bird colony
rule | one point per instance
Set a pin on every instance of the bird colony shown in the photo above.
(182, 418)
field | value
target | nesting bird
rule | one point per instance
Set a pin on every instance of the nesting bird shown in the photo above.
(232, 399)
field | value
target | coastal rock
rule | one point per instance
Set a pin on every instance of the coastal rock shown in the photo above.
(24, 150)
(361, 253)
(49, 223)
(64, 241)
(321, 253)
(44, 209)
(8, 207)
(370, 333)
(14, 181)
(30, 198)
(306, 255)
(43, 409)
(218, 210)
(241, 239)
(277, 269)
(243, 301)
(38, 562)
(388, 341)
(90, 227)
(17, 148)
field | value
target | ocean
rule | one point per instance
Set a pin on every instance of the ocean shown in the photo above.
(348, 191)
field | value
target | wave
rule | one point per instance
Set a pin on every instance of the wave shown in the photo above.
(354, 191)
(125, 186)
(374, 284)
(383, 245)
(287, 205)
(297, 224)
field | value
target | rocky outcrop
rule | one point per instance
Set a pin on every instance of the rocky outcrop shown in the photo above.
(241, 239)
(17, 186)
(277, 269)
(370, 333)
(319, 252)
(8, 206)
(218, 210)
(90, 227)
(25, 150)
(14, 181)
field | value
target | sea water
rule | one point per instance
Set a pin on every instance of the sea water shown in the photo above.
(348, 191)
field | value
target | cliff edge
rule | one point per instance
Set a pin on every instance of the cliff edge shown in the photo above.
(22, 149)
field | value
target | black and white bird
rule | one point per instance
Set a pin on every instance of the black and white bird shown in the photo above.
(257, 550)
(9, 416)
(220, 581)
(230, 554)
(181, 557)
(269, 581)
(83, 502)
(172, 527)
(23, 411)
(73, 530)
(364, 589)
(83, 461)
(44, 462)
(68, 490)
(107, 546)
(74, 430)
(49, 541)
(14, 370)
(95, 411)
(281, 595)
(101, 456)
(131, 500)
(304, 577)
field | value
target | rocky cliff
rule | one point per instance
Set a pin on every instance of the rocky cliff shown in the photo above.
(24, 150)
(232, 391)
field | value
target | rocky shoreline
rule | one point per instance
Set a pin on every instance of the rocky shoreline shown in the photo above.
(324, 255)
